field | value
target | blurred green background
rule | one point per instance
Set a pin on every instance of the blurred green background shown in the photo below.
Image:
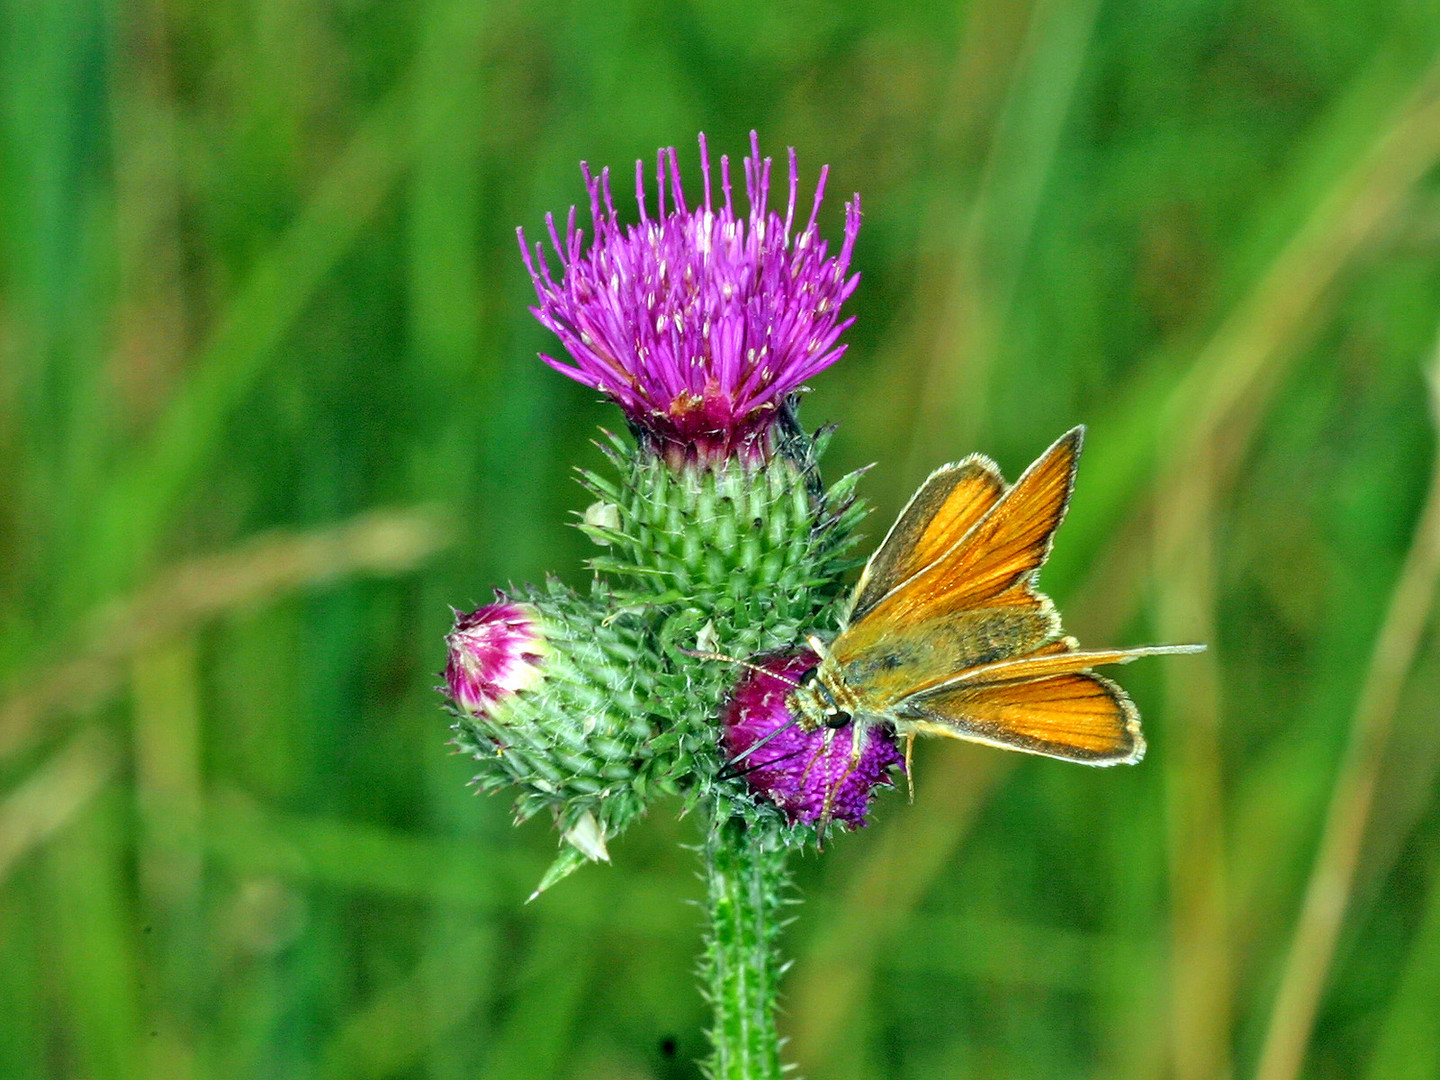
(269, 403)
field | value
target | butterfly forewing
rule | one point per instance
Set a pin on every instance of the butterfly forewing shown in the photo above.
(992, 562)
(952, 499)
(1078, 716)
(1059, 657)
(969, 601)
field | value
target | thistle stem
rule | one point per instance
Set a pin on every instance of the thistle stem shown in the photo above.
(745, 880)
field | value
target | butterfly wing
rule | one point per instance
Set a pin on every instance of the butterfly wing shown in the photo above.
(1077, 717)
(1057, 658)
(1048, 703)
(950, 501)
(949, 636)
(992, 561)
(956, 583)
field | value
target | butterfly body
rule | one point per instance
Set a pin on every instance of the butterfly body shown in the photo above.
(947, 634)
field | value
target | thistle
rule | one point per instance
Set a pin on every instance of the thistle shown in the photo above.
(699, 324)
(702, 321)
(545, 697)
(697, 664)
(805, 773)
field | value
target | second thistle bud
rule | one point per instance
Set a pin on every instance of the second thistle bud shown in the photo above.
(550, 696)
(491, 653)
(802, 772)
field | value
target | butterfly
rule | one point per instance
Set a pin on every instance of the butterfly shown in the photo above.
(947, 634)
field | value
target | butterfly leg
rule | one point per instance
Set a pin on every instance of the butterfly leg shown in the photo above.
(909, 772)
(857, 746)
(822, 754)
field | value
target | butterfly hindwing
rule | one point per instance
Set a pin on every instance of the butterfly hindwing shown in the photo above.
(1077, 716)
(890, 663)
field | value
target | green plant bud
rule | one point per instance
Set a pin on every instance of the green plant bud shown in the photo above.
(738, 557)
(574, 735)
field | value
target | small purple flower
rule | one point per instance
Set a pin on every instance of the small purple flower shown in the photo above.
(492, 652)
(697, 323)
(796, 769)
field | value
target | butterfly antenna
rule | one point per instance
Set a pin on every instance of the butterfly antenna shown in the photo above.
(700, 654)
(757, 745)
(762, 764)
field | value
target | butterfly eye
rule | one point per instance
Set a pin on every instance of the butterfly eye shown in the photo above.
(837, 719)
(809, 676)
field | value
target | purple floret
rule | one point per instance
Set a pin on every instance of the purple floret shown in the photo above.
(696, 322)
(796, 769)
(491, 653)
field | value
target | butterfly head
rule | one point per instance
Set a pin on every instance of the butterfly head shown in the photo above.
(820, 702)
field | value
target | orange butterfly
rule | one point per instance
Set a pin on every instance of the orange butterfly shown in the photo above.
(947, 634)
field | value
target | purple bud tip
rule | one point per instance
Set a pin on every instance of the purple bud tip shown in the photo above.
(491, 653)
(698, 320)
(797, 769)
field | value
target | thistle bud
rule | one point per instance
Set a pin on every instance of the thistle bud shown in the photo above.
(552, 698)
(802, 771)
(491, 653)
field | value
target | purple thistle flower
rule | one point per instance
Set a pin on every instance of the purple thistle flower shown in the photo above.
(491, 653)
(698, 324)
(797, 769)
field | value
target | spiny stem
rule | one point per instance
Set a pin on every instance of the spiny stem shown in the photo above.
(746, 877)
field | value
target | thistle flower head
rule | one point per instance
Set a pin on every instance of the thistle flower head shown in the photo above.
(491, 653)
(551, 697)
(697, 323)
(795, 769)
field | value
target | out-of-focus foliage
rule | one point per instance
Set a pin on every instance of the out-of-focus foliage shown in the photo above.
(269, 402)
